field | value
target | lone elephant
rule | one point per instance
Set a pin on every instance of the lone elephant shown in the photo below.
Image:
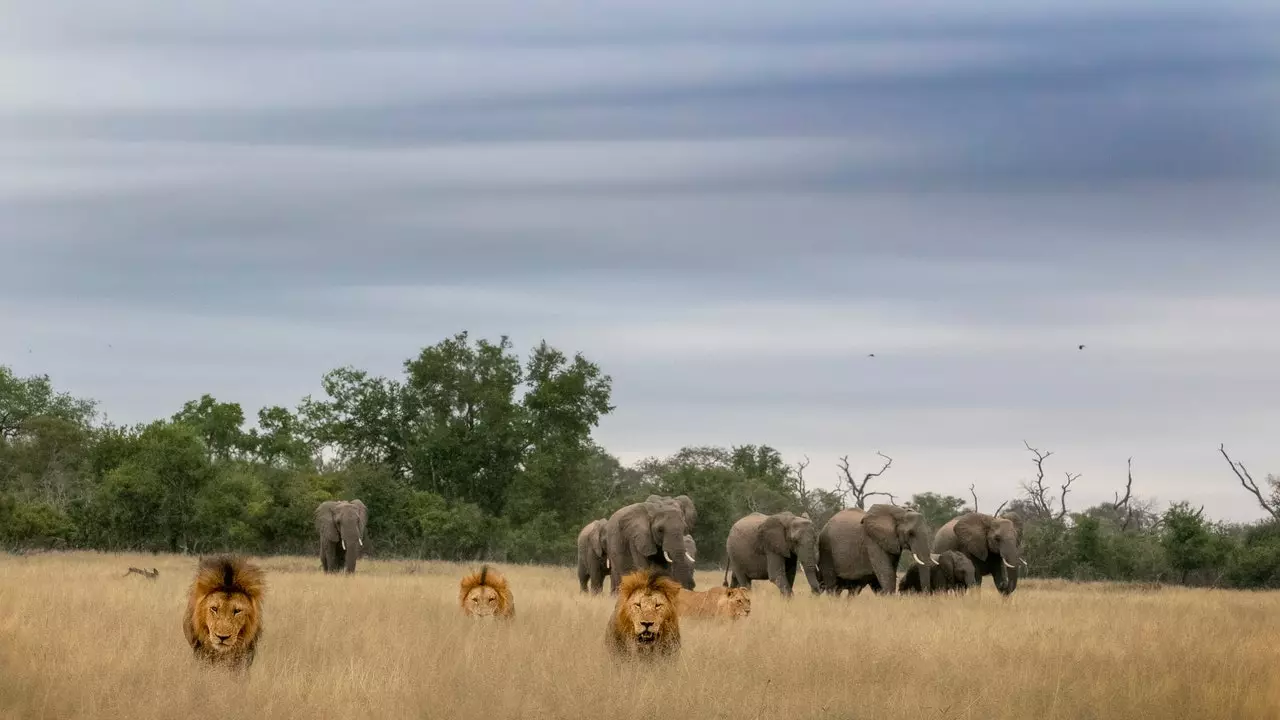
(952, 573)
(341, 527)
(993, 544)
(769, 547)
(593, 557)
(858, 548)
(646, 535)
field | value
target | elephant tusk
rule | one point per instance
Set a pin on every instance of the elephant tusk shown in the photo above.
(361, 541)
(918, 560)
(1024, 563)
(690, 557)
(344, 544)
(1006, 564)
(933, 557)
(668, 557)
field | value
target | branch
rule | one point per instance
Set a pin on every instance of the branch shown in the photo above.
(1247, 481)
(1062, 512)
(1124, 502)
(975, 497)
(997, 513)
(892, 498)
(859, 490)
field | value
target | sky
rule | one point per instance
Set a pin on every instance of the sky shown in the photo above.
(728, 207)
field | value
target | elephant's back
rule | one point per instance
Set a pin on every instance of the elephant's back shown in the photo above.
(945, 538)
(746, 526)
(844, 525)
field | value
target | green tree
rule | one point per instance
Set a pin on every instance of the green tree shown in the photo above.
(1188, 540)
(22, 399)
(220, 426)
(937, 509)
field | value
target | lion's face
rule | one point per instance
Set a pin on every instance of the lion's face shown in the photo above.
(482, 600)
(736, 603)
(650, 613)
(225, 616)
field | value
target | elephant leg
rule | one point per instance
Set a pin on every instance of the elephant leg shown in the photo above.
(583, 577)
(330, 552)
(597, 579)
(790, 570)
(884, 567)
(778, 572)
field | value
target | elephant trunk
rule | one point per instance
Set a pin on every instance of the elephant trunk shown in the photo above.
(1012, 563)
(352, 544)
(808, 559)
(674, 551)
(922, 557)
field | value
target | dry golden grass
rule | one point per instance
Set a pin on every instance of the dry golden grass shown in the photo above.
(80, 640)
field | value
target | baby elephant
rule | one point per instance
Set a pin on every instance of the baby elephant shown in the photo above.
(953, 573)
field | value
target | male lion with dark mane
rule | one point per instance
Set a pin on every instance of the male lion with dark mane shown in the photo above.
(720, 602)
(224, 611)
(646, 618)
(486, 594)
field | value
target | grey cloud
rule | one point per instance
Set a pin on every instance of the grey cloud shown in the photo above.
(727, 207)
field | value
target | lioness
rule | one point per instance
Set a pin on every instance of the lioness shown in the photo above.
(722, 602)
(646, 620)
(223, 622)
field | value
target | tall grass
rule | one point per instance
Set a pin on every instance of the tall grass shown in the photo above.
(78, 639)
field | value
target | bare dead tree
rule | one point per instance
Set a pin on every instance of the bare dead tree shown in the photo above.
(975, 497)
(1038, 492)
(1123, 502)
(802, 488)
(846, 486)
(1248, 482)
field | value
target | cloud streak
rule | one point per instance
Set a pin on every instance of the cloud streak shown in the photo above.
(729, 208)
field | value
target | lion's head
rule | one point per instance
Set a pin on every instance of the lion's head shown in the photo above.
(224, 610)
(735, 603)
(645, 619)
(485, 594)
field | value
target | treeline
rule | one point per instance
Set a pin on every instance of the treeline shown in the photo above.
(475, 453)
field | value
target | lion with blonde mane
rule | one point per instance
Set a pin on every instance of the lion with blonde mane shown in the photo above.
(486, 594)
(646, 618)
(223, 622)
(719, 602)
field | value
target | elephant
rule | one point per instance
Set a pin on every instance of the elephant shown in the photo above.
(859, 548)
(648, 534)
(953, 573)
(769, 547)
(593, 557)
(341, 526)
(993, 544)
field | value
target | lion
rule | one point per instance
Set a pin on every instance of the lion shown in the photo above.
(646, 618)
(719, 602)
(223, 623)
(485, 594)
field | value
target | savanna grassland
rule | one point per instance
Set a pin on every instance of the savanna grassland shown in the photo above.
(80, 640)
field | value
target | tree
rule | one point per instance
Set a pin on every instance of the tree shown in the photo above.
(1037, 492)
(937, 509)
(22, 399)
(848, 487)
(1187, 540)
(220, 426)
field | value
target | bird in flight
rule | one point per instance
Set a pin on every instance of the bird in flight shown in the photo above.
(1079, 347)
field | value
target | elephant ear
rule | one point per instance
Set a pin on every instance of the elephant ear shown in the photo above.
(881, 523)
(325, 522)
(595, 539)
(1016, 519)
(688, 510)
(772, 537)
(364, 514)
(971, 533)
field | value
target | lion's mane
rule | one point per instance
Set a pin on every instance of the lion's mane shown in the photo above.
(621, 637)
(488, 577)
(232, 575)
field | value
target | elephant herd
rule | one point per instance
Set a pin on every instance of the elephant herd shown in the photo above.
(856, 548)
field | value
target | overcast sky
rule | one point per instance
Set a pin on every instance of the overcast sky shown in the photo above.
(727, 206)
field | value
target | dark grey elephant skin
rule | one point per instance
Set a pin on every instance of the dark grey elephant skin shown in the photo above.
(771, 547)
(952, 573)
(686, 508)
(593, 557)
(341, 526)
(858, 548)
(649, 535)
(992, 544)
